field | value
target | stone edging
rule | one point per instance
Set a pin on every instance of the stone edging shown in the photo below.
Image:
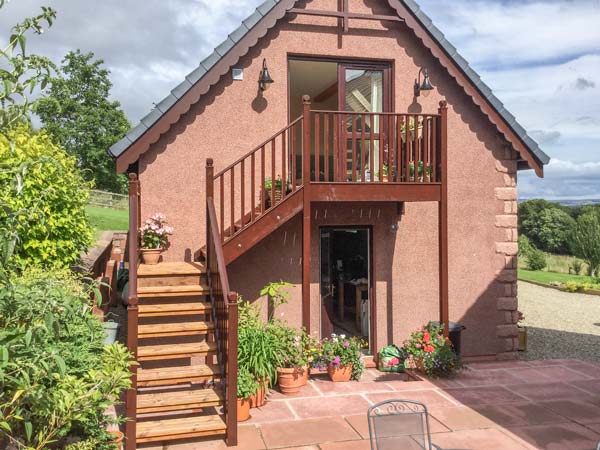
(559, 288)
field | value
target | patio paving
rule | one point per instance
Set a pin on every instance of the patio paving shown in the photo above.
(545, 405)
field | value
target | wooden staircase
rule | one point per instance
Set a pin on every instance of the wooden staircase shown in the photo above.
(179, 385)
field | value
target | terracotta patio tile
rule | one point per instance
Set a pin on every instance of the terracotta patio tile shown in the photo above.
(565, 436)
(563, 374)
(305, 447)
(483, 395)
(490, 439)
(348, 445)
(329, 407)
(429, 397)
(462, 418)
(498, 365)
(307, 432)
(410, 385)
(385, 377)
(588, 369)
(327, 387)
(532, 375)
(271, 412)
(361, 425)
(591, 386)
(594, 427)
(545, 391)
(305, 391)
(577, 411)
(512, 415)
(470, 378)
(553, 362)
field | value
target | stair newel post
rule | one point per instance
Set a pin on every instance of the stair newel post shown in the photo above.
(132, 308)
(443, 216)
(232, 368)
(210, 193)
(306, 214)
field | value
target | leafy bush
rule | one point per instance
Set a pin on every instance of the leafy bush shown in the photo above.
(56, 376)
(576, 286)
(247, 385)
(536, 260)
(525, 246)
(42, 199)
(585, 240)
(431, 352)
(576, 267)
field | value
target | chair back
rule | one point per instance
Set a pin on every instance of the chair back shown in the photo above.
(399, 425)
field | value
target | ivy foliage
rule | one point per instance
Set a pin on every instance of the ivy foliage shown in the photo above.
(42, 199)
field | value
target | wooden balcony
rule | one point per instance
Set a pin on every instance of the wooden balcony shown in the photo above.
(331, 156)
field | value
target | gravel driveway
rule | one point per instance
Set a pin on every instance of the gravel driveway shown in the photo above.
(561, 324)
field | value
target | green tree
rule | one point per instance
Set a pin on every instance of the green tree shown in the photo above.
(585, 240)
(79, 116)
(43, 198)
(22, 73)
(546, 224)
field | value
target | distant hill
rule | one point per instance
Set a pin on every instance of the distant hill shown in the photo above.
(569, 202)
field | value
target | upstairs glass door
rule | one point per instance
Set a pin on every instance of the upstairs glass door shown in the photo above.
(364, 88)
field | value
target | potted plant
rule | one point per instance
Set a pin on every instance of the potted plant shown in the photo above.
(292, 364)
(257, 350)
(431, 353)
(343, 357)
(246, 386)
(278, 190)
(154, 238)
(522, 332)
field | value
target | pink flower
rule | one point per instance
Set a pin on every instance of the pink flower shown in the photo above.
(336, 361)
(346, 344)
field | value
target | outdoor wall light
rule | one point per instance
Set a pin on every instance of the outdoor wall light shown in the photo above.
(265, 80)
(426, 86)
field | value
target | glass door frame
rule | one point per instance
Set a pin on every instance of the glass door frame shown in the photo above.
(387, 106)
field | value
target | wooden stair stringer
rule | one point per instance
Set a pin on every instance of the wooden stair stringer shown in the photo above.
(266, 224)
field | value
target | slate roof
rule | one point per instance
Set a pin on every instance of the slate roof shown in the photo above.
(247, 25)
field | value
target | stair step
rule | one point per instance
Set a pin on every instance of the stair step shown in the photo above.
(188, 399)
(166, 376)
(172, 291)
(175, 309)
(171, 351)
(171, 269)
(174, 329)
(180, 428)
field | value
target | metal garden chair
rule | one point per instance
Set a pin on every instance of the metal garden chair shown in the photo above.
(399, 425)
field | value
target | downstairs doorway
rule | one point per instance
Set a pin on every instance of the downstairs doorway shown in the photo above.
(345, 267)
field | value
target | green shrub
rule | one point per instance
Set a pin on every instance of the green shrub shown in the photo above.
(42, 199)
(56, 376)
(576, 286)
(525, 246)
(576, 267)
(536, 260)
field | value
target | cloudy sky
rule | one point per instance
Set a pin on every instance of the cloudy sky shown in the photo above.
(541, 58)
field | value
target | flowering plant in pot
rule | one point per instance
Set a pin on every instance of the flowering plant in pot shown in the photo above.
(154, 238)
(247, 385)
(343, 356)
(292, 362)
(431, 353)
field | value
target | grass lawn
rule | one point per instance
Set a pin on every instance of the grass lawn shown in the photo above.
(105, 219)
(548, 277)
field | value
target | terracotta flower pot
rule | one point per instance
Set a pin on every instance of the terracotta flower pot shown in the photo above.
(291, 379)
(260, 398)
(117, 436)
(243, 409)
(150, 256)
(340, 373)
(305, 374)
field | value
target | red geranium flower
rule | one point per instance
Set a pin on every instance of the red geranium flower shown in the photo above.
(427, 337)
(429, 349)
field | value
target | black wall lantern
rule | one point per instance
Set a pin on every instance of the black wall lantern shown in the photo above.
(265, 80)
(426, 86)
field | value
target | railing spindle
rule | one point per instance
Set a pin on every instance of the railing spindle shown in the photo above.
(243, 194)
(272, 173)
(336, 147)
(252, 187)
(283, 167)
(263, 191)
(353, 147)
(326, 145)
(362, 148)
(317, 147)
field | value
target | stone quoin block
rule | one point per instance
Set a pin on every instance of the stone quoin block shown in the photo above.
(506, 193)
(506, 221)
(507, 304)
(507, 248)
(507, 331)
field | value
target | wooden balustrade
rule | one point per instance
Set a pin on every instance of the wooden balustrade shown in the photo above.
(258, 181)
(374, 147)
(132, 308)
(224, 310)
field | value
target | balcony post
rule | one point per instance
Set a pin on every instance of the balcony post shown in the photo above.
(306, 225)
(132, 309)
(210, 188)
(443, 216)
